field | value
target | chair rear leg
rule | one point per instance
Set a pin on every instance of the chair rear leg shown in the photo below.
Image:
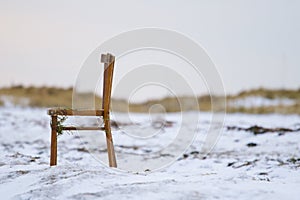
(110, 145)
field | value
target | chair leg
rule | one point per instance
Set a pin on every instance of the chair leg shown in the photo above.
(53, 151)
(110, 145)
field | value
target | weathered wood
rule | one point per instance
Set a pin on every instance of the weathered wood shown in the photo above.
(53, 151)
(71, 112)
(105, 58)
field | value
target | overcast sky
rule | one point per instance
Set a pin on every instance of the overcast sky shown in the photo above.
(253, 43)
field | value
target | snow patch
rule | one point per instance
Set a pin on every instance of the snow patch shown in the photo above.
(257, 101)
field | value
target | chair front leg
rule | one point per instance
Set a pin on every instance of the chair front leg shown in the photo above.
(53, 151)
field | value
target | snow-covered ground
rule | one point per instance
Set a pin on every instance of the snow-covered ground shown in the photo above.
(258, 101)
(241, 166)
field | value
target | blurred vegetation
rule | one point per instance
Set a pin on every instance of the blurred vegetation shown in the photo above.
(39, 96)
(60, 97)
(269, 94)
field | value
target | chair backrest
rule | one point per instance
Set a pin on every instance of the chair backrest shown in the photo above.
(109, 62)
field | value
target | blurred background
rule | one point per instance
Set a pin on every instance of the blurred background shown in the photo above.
(255, 46)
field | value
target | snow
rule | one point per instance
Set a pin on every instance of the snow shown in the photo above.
(10, 101)
(269, 170)
(258, 101)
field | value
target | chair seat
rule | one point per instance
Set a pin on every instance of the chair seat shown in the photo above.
(85, 128)
(75, 112)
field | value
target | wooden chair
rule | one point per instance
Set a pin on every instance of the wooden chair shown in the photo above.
(108, 61)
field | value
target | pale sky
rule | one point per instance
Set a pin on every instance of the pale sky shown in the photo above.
(252, 43)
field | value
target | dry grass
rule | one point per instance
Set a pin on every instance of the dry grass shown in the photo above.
(40, 96)
(269, 94)
(59, 97)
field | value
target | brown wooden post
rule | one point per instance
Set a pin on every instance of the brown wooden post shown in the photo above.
(53, 152)
(109, 142)
(109, 61)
